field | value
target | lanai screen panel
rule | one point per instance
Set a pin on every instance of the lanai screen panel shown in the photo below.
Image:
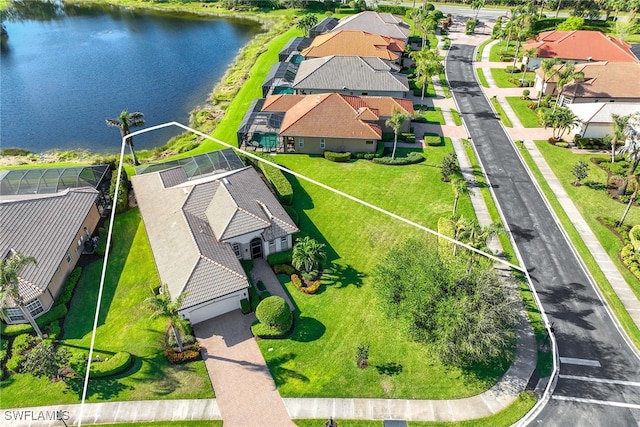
(50, 180)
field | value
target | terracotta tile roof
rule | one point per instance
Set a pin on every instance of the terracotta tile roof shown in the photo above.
(604, 80)
(355, 43)
(334, 115)
(581, 45)
(281, 103)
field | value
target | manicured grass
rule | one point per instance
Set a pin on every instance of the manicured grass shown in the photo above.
(431, 114)
(591, 203)
(456, 117)
(497, 50)
(527, 116)
(193, 423)
(482, 78)
(481, 49)
(344, 313)
(445, 85)
(501, 77)
(506, 417)
(501, 113)
(123, 326)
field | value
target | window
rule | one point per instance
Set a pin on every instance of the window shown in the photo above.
(284, 243)
(35, 308)
(322, 144)
(69, 259)
(236, 249)
(301, 142)
(14, 314)
(272, 246)
(369, 142)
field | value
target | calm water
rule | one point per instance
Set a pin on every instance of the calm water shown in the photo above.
(61, 77)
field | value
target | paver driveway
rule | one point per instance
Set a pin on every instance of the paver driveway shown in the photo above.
(245, 391)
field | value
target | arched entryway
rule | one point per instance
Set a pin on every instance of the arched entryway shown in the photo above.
(256, 248)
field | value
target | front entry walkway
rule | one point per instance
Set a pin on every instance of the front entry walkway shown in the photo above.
(245, 391)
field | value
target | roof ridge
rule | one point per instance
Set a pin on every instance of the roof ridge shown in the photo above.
(283, 221)
(318, 96)
(224, 267)
(251, 214)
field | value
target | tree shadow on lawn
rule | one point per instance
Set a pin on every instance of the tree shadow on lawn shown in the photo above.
(341, 276)
(79, 321)
(282, 375)
(98, 388)
(389, 368)
(307, 329)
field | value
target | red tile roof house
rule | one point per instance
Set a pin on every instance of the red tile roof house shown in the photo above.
(355, 43)
(335, 122)
(603, 82)
(578, 46)
(199, 229)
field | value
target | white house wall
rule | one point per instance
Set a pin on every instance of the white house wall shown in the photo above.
(217, 307)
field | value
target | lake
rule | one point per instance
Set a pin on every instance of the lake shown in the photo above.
(66, 69)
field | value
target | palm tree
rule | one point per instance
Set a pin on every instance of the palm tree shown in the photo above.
(306, 23)
(618, 126)
(528, 53)
(162, 306)
(631, 147)
(10, 268)
(395, 122)
(522, 31)
(460, 187)
(308, 254)
(633, 182)
(566, 75)
(125, 122)
(549, 70)
(428, 64)
(477, 5)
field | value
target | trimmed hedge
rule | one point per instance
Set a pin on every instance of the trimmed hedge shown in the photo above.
(56, 312)
(634, 237)
(69, 286)
(337, 157)
(116, 364)
(629, 258)
(245, 306)
(302, 287)
(412, 158)
(592, 143)
(20, 345)
(4, 348)
(283, 269)
(433, 140)
(274, 312)
(280, 258)
(278, 182)
(261, 330)
(260, 286)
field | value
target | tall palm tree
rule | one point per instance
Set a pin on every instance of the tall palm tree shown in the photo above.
(521, 33)
(618, 126)
(566, 75)
(527, 53)
(477, 5)
(633, 182)
(163, 306)
(631, 147)
(549, 70)
(125, 122)
(395, 122)
(460, 187)
(308, 254)
(10, 268)
(428, 64)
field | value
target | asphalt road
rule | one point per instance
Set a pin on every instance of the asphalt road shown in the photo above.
(599, 381)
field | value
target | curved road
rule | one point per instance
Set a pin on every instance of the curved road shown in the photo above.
(599, 381)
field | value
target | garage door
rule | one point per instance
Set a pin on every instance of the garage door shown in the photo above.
(214, 309)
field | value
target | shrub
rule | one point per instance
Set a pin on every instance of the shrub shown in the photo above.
(69, 286)
(303, 287)
(186, 340)
(562, 144)
(280, 258)
(449, 166)
(409, 137)
(21, 344)
(337, 157)
(4, 347)
(412, 158)
(261, 330)
(260, 285)
(433, 140)
(114, 365)
(526, 93)
(278, 183)
(14, 152)
(56, 312)
(283, 269)
(275, 313)
(634, 236)
(629, 258)
(53, 330)
(511, 68)
(187, 355)
(122, 202)
(245, 306)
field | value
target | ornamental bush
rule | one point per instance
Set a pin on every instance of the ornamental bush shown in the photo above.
(432, 140)
(634, 236)
(114, 365)
(283, 269)
(337, 157)
(412, 158)
(69, 286)
(280, 258)
(56, 312)
(274, 313)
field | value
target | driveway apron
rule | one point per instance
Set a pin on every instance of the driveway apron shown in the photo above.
(245, 391)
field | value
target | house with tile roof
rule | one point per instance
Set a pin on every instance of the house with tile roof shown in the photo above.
(355, 43)
(384, 24)
(53, 229)
(595, 119)
(200, 228)
(313, 124)
(367, 76)
(579, 46)
(603, 82)
(324, 26)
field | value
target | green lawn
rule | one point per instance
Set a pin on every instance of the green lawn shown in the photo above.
(501, 113)
(344, 313)
(591, 203)
(501, 77)
(445, 85)
(497, 50)
(527, 116)
(431, 114)
(506, 417)
(193, 423)
(482, 78)
(456, 117)
(481, 49)
(123, 326)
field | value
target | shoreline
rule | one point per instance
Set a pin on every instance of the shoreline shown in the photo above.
(204, 118)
